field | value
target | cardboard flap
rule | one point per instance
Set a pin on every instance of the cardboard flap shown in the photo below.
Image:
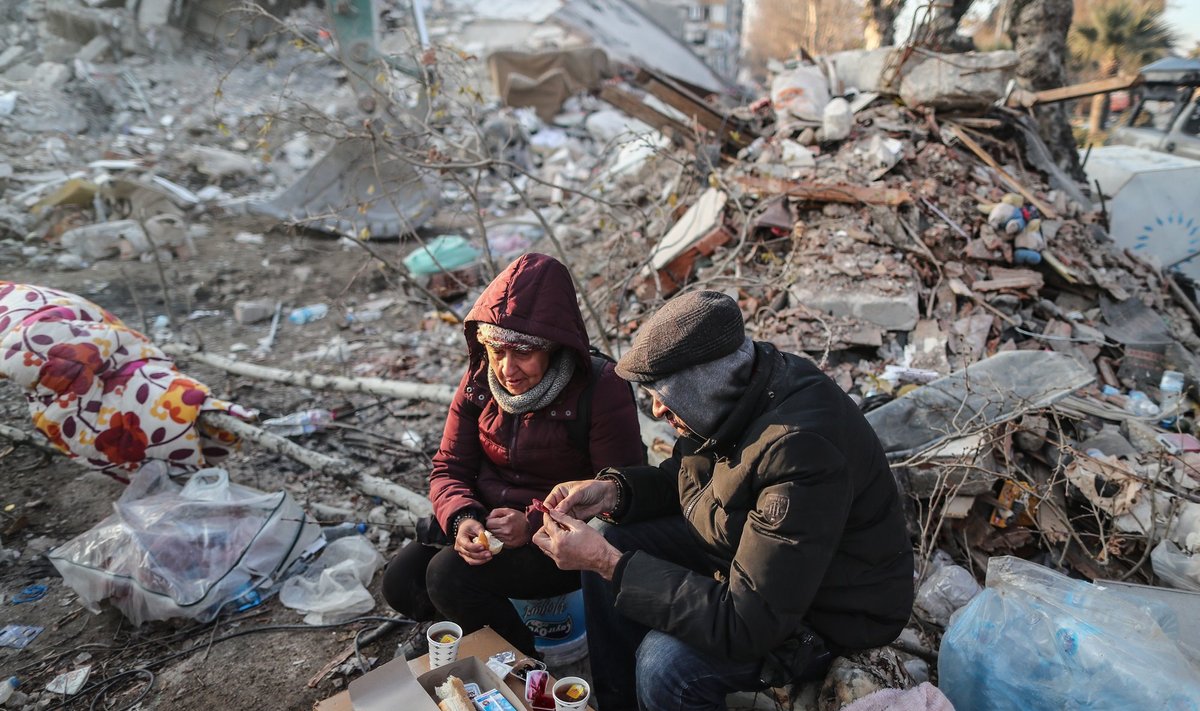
(390, 687)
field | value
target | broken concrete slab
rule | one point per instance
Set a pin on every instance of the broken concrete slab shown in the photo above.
(965, 466)
(95, 50)
(10, 56)
(895, 311)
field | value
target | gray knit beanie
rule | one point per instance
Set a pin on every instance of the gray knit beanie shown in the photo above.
(690, 329)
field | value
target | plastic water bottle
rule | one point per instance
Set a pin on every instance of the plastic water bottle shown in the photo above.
(299, 423)
(1141, 405)
(365, 316)
(308, 314)
(341, 530)
(8, 687)
(1171, 387)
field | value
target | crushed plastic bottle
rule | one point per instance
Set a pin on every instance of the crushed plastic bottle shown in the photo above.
(299, 423)
(8, 687)
(1141, 405)
(341, 530)
(308, 314)
(1171, 387)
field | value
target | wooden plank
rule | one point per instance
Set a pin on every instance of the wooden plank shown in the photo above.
(1077, 91)
(1033, 280)
(679, 98)
(633, 105)
(1042, 206)
(826, 192)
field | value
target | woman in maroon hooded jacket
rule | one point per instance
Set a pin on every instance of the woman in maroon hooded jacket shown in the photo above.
(508, 440)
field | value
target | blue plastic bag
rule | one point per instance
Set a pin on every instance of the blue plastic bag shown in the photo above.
(1037, 640)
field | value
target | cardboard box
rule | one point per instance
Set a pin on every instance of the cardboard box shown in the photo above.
(393, 686)
(479, 645)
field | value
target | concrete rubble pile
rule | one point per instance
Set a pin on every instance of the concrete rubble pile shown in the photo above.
(1030, 380)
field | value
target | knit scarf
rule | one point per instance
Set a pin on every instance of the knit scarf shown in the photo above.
(556, 377)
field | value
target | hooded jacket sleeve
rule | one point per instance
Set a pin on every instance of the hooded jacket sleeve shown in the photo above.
(615, 438)
(785, 548)
(456, 464)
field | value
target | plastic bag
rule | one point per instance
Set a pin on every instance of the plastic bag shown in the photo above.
(801, 92)
(334, 589)
(946, 588)
(1035, 639)
(171, 551)
(1177, 569)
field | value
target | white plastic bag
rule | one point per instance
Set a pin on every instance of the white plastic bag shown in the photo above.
(334, 589)
(1177, 568)
(171, 551)
(1036, 640)
(801, 92)
(946, 588)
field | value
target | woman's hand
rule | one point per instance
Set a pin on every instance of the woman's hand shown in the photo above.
(467, 545)
(510, 526)
(574, 545)
(583, 499)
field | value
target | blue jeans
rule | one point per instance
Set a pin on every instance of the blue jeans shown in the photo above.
(636, 667)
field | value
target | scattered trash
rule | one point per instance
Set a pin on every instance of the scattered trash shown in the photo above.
(18, 636)
(299, 423)
(69, 683)
(33, 593)
(333, 588)
(308, 314)
(945, 588)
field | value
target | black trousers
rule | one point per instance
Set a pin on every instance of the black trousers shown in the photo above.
(428, 582)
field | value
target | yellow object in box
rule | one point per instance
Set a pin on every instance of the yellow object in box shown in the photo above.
(446, 639)
(575, 692)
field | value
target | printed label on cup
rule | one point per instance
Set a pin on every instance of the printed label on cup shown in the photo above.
(443, 640)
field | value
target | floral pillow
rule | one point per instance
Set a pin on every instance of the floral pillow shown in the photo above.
(102, 392)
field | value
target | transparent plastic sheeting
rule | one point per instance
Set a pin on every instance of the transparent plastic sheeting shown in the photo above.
(993, 390)
(185, 551)
(1036, 640)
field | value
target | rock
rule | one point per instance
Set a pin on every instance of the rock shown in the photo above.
(95, 50)
(860, 674)
(10, 56)
(51, 75)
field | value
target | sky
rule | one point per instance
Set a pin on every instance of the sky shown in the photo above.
(1184, 16)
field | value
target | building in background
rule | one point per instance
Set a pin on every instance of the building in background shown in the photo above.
(711, 28)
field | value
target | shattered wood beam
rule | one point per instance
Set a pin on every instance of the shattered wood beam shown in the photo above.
(975, 148)
(826, 192)
(1074, 91)
(373, 386)
(366, 481)
(635, 107)
(679, 98)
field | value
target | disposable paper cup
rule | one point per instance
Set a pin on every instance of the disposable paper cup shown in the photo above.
(442, 653)
(565, 683)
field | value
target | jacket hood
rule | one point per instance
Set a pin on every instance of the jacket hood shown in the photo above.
(532, 295)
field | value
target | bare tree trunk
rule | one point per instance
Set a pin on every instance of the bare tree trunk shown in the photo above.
(880, 20)
(944, 20)
(1038, 30)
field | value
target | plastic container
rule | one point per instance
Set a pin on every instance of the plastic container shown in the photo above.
(559, 632)
(8, 687)
(1171, 387)
(308, 314)
(299, 423)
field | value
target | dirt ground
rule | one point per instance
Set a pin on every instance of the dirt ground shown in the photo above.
(49, 500)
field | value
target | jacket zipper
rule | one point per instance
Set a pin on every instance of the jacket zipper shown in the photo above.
(687, 512)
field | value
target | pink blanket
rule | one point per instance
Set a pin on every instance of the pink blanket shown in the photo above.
(100, 391)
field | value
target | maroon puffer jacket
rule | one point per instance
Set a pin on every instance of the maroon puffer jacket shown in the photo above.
(490, 459)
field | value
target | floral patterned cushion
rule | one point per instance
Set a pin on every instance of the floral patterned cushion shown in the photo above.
(102, 392)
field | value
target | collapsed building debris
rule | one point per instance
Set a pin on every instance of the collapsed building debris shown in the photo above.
(913, 239)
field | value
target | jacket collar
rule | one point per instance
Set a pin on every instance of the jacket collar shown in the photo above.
(755, 401)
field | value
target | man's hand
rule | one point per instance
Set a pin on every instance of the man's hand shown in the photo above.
(583, 499)
(574, 545)
(510, 526)
(466, 544)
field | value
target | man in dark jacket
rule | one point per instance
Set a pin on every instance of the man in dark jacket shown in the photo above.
(771, 540)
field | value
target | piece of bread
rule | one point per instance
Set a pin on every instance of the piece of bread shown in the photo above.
(453, 696)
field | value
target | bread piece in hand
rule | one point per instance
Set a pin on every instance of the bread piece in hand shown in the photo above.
(454, 696)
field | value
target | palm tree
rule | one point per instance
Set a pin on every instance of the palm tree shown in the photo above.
(1118, 34)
